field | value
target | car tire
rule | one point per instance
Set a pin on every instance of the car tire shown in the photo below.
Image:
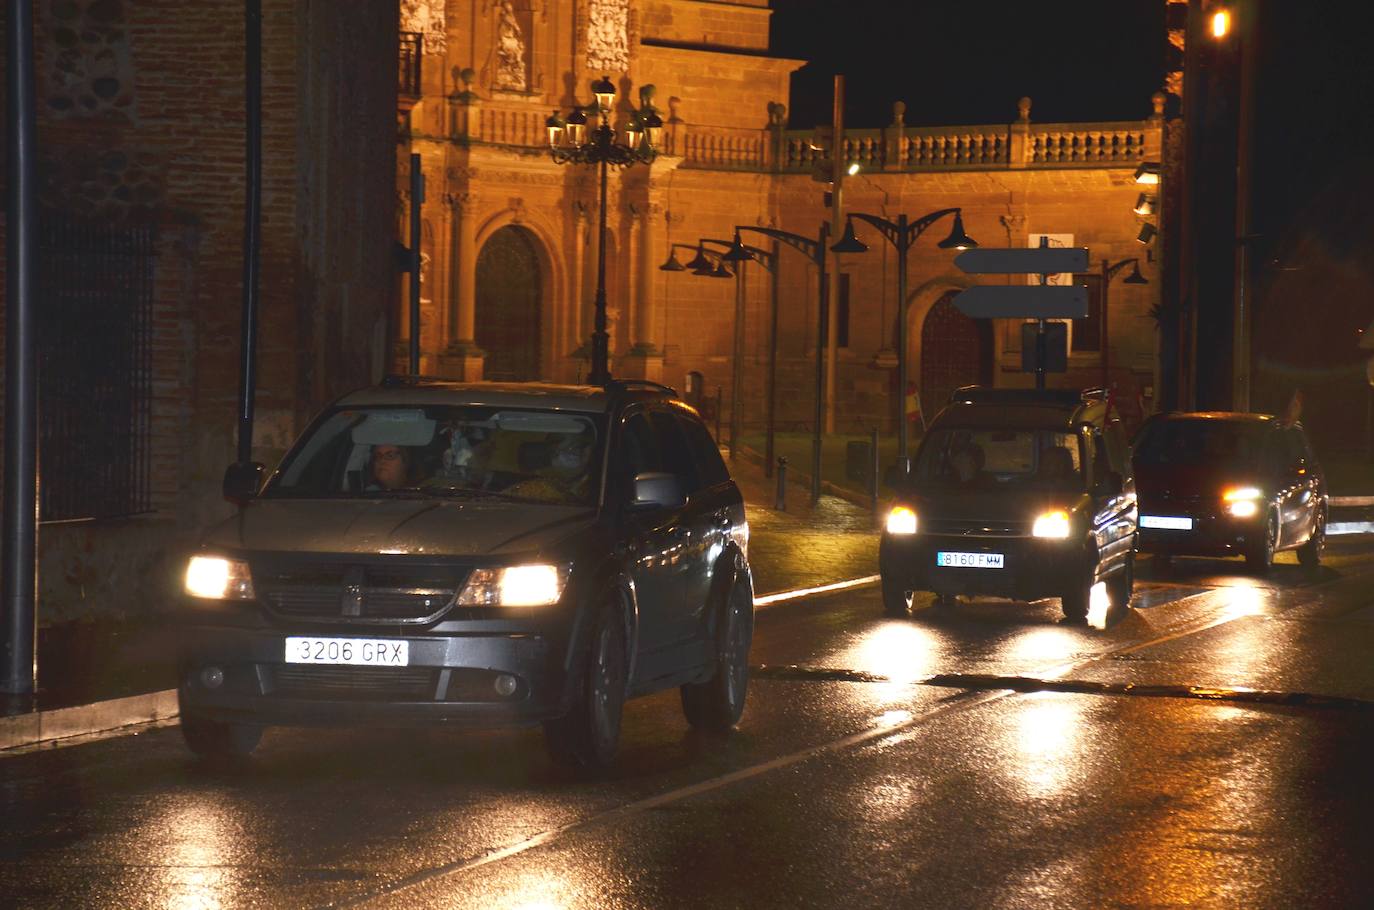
(1310, 553)
(1259, 558)
(1076, 600)
(718, 703)
(587, 736)
(896, 598)
(1121, 586)
(216, 739)
(946, 601)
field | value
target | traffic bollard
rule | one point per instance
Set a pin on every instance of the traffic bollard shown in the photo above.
(780, 499)
(873, 471)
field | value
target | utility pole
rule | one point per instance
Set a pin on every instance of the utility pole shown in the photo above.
(832, 321)
(1243, 316)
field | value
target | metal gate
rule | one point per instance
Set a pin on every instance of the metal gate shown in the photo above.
(508, 298)
(94, 367)
(955, 351)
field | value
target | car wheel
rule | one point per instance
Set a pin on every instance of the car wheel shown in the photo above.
(1075, 601)
(587, 736)
(718, 703)
(1260, 557)
(896, 598)
(946, 601)
(1310, 553)
(215, 739)
(1121, 586)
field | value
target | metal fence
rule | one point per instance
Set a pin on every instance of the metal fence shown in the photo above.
(95, 312)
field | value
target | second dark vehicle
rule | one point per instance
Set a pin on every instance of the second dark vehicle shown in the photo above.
(1014, 493)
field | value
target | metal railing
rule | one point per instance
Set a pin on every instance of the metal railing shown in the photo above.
(94, 367)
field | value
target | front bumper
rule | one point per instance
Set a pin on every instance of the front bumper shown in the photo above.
(450, 678)
(1032, 567)
(1213, 533)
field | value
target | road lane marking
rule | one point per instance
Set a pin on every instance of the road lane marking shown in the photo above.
(783, 596)
(960, 701)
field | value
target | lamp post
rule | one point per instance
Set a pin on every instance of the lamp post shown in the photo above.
(569, 143)
(1108, 273)
(902, 234)
(815, 250)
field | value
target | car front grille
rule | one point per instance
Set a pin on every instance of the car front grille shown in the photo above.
(959, 527)
(355, 683)
(336, 591)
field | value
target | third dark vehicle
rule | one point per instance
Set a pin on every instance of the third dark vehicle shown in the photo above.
(1229, 484)
(1014, 493)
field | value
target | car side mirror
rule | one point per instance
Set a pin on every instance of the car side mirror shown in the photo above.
(1111, 484)
(242, 480)
(657, 490)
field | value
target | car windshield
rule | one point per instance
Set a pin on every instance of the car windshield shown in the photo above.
(470, 452)
(985, 459)
(1196, 442)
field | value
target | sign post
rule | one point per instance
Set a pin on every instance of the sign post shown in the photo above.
(1040, 302)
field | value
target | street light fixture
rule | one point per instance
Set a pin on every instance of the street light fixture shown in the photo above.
(902, 234)
(1145, 204)
(815, 250)
(1147, 173)
(569, 143)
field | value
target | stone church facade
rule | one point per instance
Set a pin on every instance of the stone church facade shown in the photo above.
(509, 237)
(141, 164)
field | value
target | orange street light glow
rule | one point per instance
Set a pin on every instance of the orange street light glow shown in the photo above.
(1221, 24)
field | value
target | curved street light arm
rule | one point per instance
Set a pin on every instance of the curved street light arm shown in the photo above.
(899, 235)
(1112, 270)
(762, 256)
(813, 250)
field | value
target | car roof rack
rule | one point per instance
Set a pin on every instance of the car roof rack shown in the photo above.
(1061, 397)
(393, 380)
(626, 385)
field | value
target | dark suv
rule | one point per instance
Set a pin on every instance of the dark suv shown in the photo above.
(435, 552)
(1014, 493)
(1229, 484)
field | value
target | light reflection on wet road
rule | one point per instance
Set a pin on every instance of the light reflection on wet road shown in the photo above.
(832, 792)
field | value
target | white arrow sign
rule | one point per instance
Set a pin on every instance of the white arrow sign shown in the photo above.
(1044, 260)
(1000, 301)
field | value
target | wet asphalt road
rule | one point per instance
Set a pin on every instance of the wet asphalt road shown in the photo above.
(1211, 746)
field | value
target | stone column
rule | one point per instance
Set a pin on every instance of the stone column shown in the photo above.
(645, 359)
(576, 343)
(462, 358)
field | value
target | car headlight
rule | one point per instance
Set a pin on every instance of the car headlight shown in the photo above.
(1051, 524)
(1242, 502)
(901, 520)
(216, 578)
(514, 586)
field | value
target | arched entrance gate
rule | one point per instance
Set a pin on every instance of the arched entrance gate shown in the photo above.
(955, 351)
(508, 306)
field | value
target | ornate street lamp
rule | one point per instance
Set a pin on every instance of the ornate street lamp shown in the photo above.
(1108, 273)
(902, 234)
(570, 142)
(816, 252)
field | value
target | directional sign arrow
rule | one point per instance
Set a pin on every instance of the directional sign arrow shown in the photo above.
(1000, 301)
(1044, 260)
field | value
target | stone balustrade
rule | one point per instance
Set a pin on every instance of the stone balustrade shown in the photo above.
(897, 147)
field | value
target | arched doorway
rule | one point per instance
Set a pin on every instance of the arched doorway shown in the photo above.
(955, 351)
(508, 305)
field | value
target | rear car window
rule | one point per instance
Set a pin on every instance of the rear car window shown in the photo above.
(538, 456)
(1193, 442)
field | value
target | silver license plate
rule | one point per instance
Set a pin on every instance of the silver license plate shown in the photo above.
(954, 560)
(1167, 522)
(352, 652)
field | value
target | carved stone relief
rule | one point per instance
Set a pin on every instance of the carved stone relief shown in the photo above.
(512, 67)
(608, 35)
(427, 18)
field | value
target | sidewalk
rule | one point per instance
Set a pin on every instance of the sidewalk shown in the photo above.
(101, 675)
